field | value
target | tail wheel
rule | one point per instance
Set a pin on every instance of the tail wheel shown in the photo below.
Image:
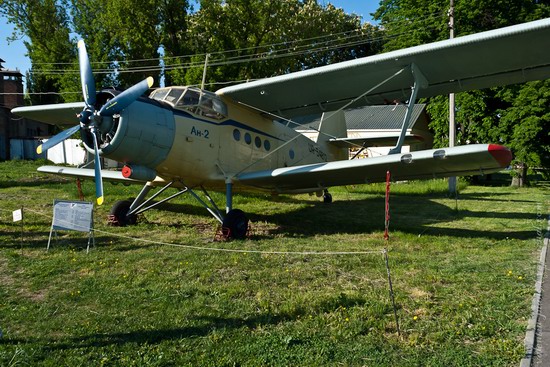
(327, 197)
(237, 224)
(118, 215)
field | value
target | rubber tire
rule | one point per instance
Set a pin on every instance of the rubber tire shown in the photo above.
(120, 210)
(327, 198)
(237, 223)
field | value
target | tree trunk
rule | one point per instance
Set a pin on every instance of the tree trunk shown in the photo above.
(520, 177)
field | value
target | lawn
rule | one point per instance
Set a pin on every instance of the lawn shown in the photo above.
(161, 293)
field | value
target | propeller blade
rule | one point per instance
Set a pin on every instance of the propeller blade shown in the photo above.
(54, 140)
(126, 98)
(86, 76)
(98, 178)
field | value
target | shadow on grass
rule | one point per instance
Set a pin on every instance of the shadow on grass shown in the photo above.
(39, 240)
(411, 213)
(132, 337)
(492, 197)
(206, 326)
(39, 182)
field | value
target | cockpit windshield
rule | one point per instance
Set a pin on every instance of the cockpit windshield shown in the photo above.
(192, 100)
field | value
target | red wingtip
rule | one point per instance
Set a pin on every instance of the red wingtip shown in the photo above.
(501, 154)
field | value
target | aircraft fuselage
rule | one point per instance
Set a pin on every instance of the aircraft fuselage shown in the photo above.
(193, 137)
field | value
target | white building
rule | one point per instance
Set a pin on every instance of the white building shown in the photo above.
(379, 128)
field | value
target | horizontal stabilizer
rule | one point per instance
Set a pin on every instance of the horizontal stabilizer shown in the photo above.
(376, 141)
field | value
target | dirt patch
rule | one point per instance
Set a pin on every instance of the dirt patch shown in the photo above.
(417, 293)
(12, 285)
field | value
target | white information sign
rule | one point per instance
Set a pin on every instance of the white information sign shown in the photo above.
(72, 215)
(17, 215)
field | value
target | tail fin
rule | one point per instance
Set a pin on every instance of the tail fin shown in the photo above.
(333, 125)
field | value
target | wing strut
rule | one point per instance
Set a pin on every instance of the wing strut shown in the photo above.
(420, 81)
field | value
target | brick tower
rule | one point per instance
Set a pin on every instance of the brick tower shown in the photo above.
(11, 87)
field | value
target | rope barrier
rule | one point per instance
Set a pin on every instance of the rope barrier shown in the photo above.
(383, 252)
(220, 249)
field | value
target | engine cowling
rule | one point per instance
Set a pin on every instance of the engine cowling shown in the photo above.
(142, 134)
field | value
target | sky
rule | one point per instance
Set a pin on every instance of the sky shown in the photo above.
(13, 53)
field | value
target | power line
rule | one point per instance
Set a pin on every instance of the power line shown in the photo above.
(264, 55)
(352, 38)
(359, 32)
(260, 56)
(211, 53)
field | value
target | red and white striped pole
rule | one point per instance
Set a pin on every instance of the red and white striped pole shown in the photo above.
(387, 212)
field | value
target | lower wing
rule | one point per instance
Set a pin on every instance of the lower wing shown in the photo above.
(87, 173)
(458, 161)
(464, 160)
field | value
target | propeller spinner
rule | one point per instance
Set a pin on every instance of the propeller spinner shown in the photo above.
(89, 117)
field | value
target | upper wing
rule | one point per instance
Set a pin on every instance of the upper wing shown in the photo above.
(458, 161)
(62, 114)
(503, 56)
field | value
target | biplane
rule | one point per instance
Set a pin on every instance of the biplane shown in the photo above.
(241, 137)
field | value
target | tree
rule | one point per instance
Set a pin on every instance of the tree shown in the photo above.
(129, 40)
(525, 126)
(412, 22)
(87, 22)
(173, 25)
(47, 27)
(250, 39)
(481, 116)
(116, 34)
(135, 39)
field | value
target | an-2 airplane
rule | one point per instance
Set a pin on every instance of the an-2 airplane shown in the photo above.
(191, 139)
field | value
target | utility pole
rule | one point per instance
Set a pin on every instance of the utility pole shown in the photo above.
(452, 125)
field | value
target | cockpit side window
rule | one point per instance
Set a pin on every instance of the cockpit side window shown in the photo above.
(174, 95)
(189, 99)
(159, 94)
(192, 100)
(219, 106)
(212, 107)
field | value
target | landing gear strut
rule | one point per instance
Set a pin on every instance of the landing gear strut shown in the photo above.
(234, 223)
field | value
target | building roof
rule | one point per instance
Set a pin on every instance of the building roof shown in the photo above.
(4, 71)
(16, 73)
(388, 117)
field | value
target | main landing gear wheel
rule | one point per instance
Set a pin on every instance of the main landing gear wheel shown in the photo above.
(327, 198)
(118, 216)
(236, 223)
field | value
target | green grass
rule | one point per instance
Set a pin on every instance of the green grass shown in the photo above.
(463, 274)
